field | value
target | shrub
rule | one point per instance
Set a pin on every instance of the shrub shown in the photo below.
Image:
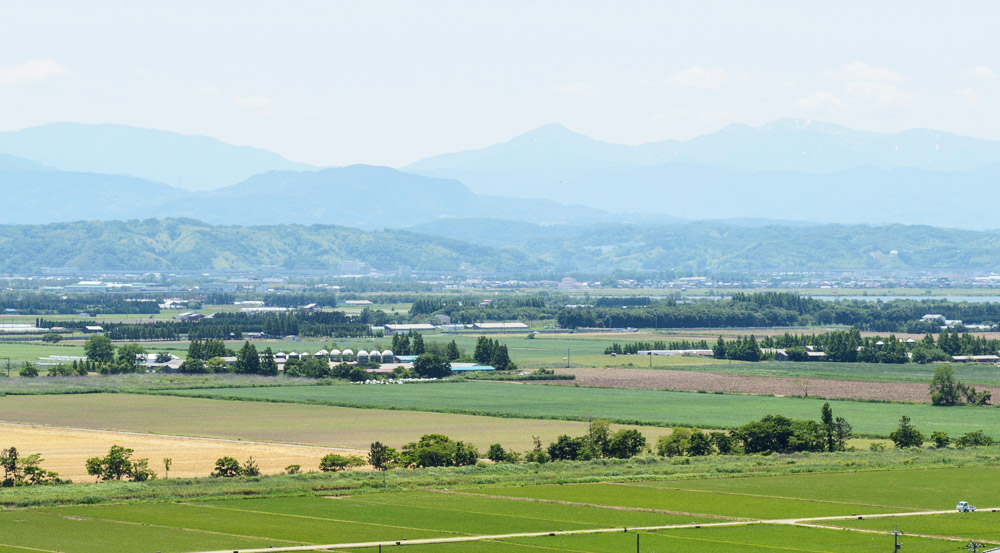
(28, 371)
(974, 439)
(940, 439)
(906, 435)
(334, 462)
(227, 467)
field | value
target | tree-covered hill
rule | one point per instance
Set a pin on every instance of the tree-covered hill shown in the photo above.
(178, 244)
(721, 246)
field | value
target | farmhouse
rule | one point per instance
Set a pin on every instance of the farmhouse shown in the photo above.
(502, 327)
(404, 329)
(702, 352)
(189, 317)
(93, 330)
(976, 358)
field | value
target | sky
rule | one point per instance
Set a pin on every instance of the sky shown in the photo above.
(391, 82)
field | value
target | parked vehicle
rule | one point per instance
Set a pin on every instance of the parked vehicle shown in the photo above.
(964, 507)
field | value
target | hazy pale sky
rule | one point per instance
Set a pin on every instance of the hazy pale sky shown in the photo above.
(382, 82)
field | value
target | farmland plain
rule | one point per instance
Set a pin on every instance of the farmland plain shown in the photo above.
(706, 517)
(283, 423)
(652, 407)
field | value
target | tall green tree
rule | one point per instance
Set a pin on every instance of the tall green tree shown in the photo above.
(381, 456)
(268, 366)
(944, 389)
(430, 365)
(418, 344)
(829, 426)
(128, 355)
(905, 435)
(99, 349)
(247, 359)
(452, 352)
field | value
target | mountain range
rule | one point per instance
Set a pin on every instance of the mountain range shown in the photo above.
(786, 170)
(185, 161)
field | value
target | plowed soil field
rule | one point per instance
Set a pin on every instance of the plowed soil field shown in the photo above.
(692, 381)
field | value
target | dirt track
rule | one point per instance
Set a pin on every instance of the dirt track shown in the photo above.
(693, 381)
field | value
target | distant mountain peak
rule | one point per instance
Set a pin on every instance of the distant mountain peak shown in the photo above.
(552, 132)
(192, 162)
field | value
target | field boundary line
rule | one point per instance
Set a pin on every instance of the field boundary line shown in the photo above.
(309, 517)
(178, 436)
(762, 496)
(447, 510)
(618, 529)
(165, 527)
(882, 533)
(595, 505)
(26, 548)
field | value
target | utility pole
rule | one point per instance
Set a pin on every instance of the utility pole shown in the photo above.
(895, 537)
(637, 543)
(567, 358)
(974, 546)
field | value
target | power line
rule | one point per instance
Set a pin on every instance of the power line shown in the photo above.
(974, 546)
(895, 539)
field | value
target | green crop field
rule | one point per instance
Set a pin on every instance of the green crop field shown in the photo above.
(631, 406)
(649, 497)
(917, 489)
(981, 525)
(555, 515)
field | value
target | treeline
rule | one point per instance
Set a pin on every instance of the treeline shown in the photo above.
(622, 301)
(229, 326)
(451, 304)
(849, 346)
(44, 303)
(775, 309)
(492, 352)
(635, 347)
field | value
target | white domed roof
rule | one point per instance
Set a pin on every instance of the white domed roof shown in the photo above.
(335, 351)
(348, 352)
(387, 353)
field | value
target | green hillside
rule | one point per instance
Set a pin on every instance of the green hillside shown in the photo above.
(179, 244)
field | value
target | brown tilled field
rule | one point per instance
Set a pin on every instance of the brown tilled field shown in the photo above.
(745, 384)
(65, 451)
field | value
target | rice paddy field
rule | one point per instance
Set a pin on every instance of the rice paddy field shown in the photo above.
(649, 407)
(825, 512)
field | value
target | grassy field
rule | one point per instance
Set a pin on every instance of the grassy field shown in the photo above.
(548, 510)
(620, 405)
(278, 423)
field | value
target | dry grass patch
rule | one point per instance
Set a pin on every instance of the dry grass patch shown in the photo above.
(66, 451)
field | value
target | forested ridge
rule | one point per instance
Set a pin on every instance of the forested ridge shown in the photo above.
(496, 247)
(163, 244)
